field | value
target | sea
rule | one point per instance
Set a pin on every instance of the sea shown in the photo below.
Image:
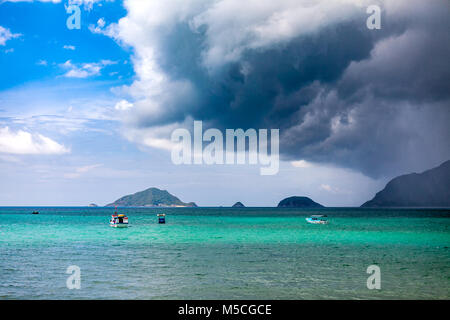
(224, 253)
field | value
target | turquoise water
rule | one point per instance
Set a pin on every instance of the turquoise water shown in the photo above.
(223, 253)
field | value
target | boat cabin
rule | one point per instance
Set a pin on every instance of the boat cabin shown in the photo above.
(118, 220)
(161, 218)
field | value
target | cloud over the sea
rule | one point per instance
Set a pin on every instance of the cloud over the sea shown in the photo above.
(376, 101)
(23, 143)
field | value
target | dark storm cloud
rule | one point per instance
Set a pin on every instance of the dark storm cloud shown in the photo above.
(372, 100)
(246, 99)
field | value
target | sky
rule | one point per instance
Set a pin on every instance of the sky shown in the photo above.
(86, 115)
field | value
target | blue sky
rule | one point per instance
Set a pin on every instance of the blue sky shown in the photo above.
(86, 115)
(37, 95)
(44, 36)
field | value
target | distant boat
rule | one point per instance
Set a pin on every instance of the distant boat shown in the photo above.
(161, 218)
(118, 220)
(35, 212)
(317, 219)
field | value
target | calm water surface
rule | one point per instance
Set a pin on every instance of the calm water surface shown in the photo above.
(223, 253)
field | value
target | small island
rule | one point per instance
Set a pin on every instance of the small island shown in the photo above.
(151, 197)
(92, 205)
(299, 202)
(238, 205)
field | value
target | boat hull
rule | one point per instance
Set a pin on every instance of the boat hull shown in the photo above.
(119, 225)
(309, 220)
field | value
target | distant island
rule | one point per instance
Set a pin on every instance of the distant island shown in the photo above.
(427, 189)
(298, 202)
(92, 205)
(430, 188)
(238, 205)
(152, 197)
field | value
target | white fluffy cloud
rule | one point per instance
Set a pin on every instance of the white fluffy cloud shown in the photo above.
(84, 70)
(231, 26)
(23, 142)
(6, 34)
(99, 27)
(234, 26)
(301, 164)
(88, 4)
(123, 105)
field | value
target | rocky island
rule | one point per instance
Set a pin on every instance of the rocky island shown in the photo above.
(238, 205)
(298, 202)
(152, 197)
(427, 189)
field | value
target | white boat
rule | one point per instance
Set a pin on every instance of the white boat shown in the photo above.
(317, 219)
(118, 220)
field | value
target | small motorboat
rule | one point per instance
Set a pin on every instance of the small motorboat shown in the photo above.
(118, 220)
(161, 218)
(317, 219)
(35, 212)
